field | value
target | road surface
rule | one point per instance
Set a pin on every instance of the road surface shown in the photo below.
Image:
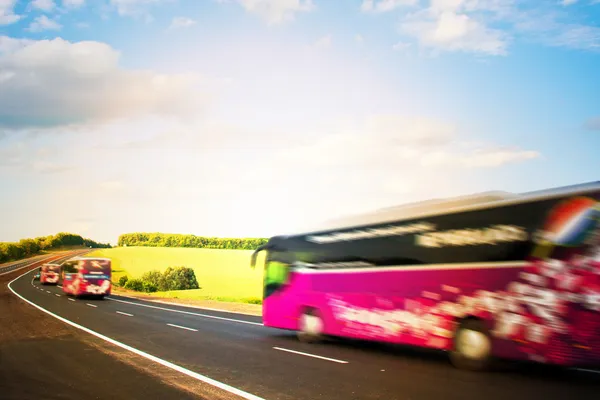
(43, 358)
(238, 351)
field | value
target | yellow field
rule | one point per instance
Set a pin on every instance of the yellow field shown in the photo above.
(222, 274)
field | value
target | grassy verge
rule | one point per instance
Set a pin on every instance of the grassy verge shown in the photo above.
(224, 276)
(225, 304)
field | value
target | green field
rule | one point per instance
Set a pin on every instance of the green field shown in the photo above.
(222, 274)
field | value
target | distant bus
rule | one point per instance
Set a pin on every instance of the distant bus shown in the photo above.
(83, 276)
(482, 277)
(49, 274)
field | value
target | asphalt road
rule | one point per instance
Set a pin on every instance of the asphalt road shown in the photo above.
(238, 351)
(13, 266)
(43, 358)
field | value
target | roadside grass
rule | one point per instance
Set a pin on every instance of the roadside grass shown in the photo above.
(223, 275)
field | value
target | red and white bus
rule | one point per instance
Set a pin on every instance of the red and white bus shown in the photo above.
(86, 276)
(49, 273)
(495, 275)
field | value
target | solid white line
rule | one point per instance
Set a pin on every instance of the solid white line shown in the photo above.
(192, 374)
(57, 295)
(71, 299)
(182, 327)
(588, 370)
(124, 313)
(311, 355)
(91, 305)
(188, 312)
(170, 303)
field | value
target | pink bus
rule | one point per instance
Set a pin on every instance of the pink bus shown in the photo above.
(83, 276)
(49, 274)
(482, 277)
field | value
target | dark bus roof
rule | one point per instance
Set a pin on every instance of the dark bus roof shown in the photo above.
(451, 205)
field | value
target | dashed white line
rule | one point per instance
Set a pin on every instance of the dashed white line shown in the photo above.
(48, 291)
(187, 312)
(91, 305)
(183, 327)
(124, 313)
(57, 295)
(311, 355)
(71, 299)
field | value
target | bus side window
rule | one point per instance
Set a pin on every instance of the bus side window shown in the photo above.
(277, 270)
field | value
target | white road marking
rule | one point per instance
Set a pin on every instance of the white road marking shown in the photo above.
(57, 295)
(311, 355)
(192, 374)
(71, 299)
(59, 286)
(588, 370)
(188, 312)
(183, 327)
(124, 313)
(48, 291)
(91, 305)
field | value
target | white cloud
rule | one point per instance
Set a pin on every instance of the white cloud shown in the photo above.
(56, 82)
(7, 14)
(390, 141)
(446, 30)
(557, 30)
(135, 8)
(43, 23)
(568, 2)
(82, 25)
(43, 5)
(399, 46)
(276, 11)
(323, 42)
(181, 22)
(382, 6)
(73, 3)
(9, 45)
(359, 39)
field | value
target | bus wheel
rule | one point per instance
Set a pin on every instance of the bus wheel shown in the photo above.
(472, 348)
(310, 327)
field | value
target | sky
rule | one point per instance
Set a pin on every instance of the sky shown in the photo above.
(259, 117)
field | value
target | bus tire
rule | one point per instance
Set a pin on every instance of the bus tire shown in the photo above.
(310, 326)
(472, 347)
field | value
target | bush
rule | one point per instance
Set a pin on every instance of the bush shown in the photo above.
(174, 278)
(149, 287)
(179, 278)
(135, 284)
(156, 279)
(123, 280)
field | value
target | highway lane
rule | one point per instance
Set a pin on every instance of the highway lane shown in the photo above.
(16, 265)
(238, 351)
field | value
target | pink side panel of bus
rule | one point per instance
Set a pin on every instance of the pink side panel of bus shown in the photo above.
(539, 311)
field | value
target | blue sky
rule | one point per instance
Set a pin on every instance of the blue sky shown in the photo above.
(257, 117)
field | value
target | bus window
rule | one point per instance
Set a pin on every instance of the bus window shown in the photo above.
(277, 270)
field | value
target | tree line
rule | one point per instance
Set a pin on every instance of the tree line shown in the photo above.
(180, 240)
(30, 247)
